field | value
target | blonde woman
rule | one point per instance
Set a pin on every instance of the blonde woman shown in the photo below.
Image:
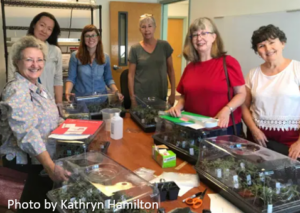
(203, 85)
(150, 62)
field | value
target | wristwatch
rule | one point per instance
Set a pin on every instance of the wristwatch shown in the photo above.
(230, 108)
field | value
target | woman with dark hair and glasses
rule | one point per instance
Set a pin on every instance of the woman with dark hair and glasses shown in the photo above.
(272, 107)
(45, 27)
(203, 86)
(150, 62)
(89, 67)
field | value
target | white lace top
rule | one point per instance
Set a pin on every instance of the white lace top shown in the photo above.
(276, 99)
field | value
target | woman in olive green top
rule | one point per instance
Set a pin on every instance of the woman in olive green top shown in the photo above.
(150, 62)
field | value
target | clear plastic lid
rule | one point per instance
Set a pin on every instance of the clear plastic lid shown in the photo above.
(95, 178)
(75, 111)
(253, 177)
(96, 102)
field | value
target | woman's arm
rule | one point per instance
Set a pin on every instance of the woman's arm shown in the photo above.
(58, 78)
(58, 91)
(107, 75)
(294, 151)
(55, 172)
(68, 90)
(237, 100)
(258, 135)
(23, 122)
(176, 110)
(171, 75)
(115, 91)
(72, 76)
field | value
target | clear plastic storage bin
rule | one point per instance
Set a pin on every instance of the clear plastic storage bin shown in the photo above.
(75, 111)
(95, 103)
(145, 113)
(253, 178)
(184, 141)
(97, 179)
(66, 148)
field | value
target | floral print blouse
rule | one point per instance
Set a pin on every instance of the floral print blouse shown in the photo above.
(31, 115)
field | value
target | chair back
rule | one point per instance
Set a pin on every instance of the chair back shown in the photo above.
(124, 88)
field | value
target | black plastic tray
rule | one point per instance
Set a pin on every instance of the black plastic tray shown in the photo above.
(184, 154)
(181, 153)
(69, 149)
(146, 127)
(238, 201)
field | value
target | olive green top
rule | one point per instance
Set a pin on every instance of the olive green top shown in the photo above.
(151, 70)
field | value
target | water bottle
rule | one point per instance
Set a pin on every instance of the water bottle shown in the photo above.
(116, 127)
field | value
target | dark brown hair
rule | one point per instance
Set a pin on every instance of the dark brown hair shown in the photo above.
(83, 53)
(267, 32)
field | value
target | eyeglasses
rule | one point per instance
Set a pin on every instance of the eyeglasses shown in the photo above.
(146, 15)
(202, 34)
(90, 36)
(31, 60)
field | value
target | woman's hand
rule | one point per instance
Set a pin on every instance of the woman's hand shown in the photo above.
(294, 150)
(223, 117)
(120, 96)
(259, 137)
(70, 97)
(174, 111)
(171, 99)
(57, 173)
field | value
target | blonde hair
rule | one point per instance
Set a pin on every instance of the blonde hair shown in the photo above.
(217, 49)
(147, 18)
(24, 43)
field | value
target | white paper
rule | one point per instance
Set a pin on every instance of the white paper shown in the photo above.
(68, 137)
(218, 204)
(195, 126)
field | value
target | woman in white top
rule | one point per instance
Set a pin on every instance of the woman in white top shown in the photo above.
(45, 27)
(272, 107)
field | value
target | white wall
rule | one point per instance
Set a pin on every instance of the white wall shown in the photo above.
(178, 10)
(241, 18)
(21, 16)
(215, 8)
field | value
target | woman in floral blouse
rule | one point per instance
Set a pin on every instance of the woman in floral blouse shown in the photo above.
(31, 113)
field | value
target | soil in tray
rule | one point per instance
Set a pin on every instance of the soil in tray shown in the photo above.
(181, 143)
(87, 193)
(146, 116)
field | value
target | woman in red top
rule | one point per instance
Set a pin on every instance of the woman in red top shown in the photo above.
(203, 85)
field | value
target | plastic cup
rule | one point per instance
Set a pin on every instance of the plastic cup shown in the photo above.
(107, 114)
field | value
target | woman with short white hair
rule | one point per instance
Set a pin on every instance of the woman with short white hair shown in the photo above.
(150, 62)
(31, 112)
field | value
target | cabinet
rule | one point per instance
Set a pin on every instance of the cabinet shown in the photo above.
(45, 4)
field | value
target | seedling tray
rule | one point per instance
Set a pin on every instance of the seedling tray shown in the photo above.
(95, 103)
(256, 180)
(185, 146)
(70, 148)
(145, 127)
(98, 116)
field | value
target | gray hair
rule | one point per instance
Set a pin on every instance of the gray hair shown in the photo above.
(27, 42)
(147, 18)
